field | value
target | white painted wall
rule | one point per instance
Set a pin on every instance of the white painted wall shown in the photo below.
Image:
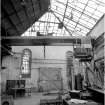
(52, 52)
(48, 63)
(12, 63)
(11, 70)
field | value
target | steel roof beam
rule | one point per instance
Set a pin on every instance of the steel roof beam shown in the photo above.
(63, 23)
(81, 15)
(65, 10)
(74, 21)
(77, 10)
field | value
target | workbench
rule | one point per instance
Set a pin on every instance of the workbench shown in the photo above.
(87, 103)
(16, 91)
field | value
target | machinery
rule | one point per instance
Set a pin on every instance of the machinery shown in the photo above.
(7, 100)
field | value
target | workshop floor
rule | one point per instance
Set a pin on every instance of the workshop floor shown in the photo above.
(34, 99)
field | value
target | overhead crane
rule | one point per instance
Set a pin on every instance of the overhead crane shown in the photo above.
(43, 40)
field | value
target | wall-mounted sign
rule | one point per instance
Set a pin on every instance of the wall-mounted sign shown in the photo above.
(26, 63)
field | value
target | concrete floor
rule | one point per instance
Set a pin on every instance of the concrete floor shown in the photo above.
(34, 99)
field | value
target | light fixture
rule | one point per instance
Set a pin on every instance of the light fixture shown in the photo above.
(23, 2)
(33, 30)
(71, 17)
(60, 25)
(50, 34)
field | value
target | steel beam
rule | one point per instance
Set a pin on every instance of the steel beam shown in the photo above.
(42, 40)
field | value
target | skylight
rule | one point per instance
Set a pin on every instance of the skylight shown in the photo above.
(68, 18)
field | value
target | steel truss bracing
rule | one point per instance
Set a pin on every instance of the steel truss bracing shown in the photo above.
(77, 17)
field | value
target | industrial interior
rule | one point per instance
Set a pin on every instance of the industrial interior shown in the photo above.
(52, 52)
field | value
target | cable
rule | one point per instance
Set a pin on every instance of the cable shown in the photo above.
(10, 52)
